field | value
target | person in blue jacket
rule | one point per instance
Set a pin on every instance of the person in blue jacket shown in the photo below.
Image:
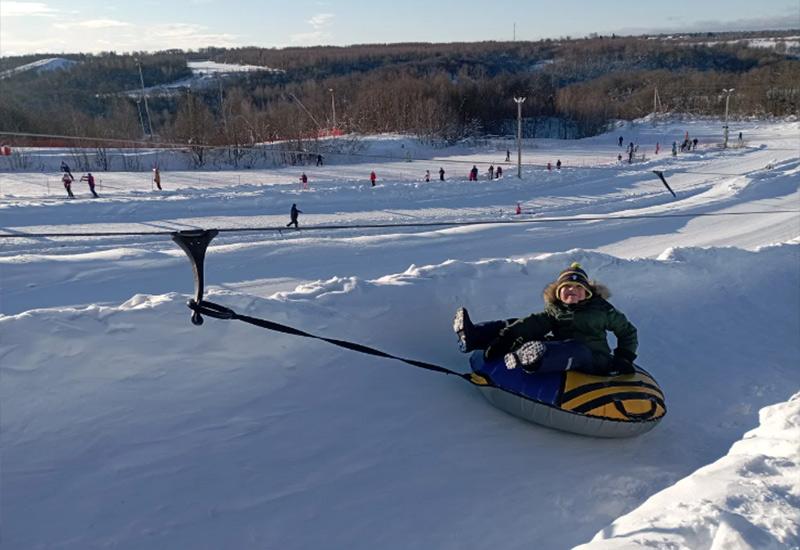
(293, 214)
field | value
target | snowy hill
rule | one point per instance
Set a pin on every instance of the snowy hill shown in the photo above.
(204, 74)
(41, 65)
(125, 425)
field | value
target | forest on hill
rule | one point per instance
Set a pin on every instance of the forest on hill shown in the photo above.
(438, 92)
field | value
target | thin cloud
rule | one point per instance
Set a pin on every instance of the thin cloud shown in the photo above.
(26, 9)
(93, 24)
(321, 20)
(182, 35)
(319, 23)
(110, 35)
(309, 38)
(778, 22)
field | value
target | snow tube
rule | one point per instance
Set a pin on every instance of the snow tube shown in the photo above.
(599, 406)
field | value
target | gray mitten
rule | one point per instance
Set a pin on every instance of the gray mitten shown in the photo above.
(526, 356)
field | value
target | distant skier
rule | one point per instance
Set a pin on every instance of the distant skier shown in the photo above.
(621, 141)
(293, 213)
(304, 181)
(694, 144)
(67, 180)
(491, 171)
(674, 148)
(427, 176)
(558, 164)
(441, 174)
(549, 166)
(498, 173)
(658, 147)
(508, 155)
(373, 177)
(740, 139)
(157, 177)
(319, 160)
(66, 170)
(473, 174)
(89, 178)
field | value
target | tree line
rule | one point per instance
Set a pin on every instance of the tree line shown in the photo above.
(439, 92)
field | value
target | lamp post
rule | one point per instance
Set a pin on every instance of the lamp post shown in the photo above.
(519, 101)
(141, 120)
(727, 92)
(189, 110)
(333, 108)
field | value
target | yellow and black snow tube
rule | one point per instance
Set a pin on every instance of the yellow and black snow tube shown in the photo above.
(601, 406)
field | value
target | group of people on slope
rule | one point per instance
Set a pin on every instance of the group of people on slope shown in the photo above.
(492, 173)
(67, 179)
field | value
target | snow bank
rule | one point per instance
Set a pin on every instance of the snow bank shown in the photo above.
(746, 500)
(128, 426)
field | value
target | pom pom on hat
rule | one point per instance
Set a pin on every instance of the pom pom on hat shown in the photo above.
(574, 275)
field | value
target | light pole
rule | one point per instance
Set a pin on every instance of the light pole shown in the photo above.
(189, 110)
(141, 120)
(333, 108)
(519, 101)
(727, 92)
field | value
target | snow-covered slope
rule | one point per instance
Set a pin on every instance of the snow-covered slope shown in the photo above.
(204, 74)
(125, 425)
(41, 65)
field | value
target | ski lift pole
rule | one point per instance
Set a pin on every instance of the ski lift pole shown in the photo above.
(195, 242)
(660, 174)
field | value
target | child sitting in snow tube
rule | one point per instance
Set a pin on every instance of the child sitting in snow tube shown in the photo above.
(570, 334)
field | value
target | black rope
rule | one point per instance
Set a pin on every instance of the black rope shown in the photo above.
(221, 312)
(403, 225)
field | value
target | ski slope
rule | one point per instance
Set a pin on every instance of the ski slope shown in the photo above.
(125, 425)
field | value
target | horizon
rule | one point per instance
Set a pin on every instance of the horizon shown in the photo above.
(89, 27)
(401, 43)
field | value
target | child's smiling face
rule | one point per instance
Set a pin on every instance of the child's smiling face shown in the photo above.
(571, 294)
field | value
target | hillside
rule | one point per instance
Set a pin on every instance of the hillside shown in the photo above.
(435, 91)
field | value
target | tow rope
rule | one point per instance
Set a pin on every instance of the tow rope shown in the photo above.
(195, 243)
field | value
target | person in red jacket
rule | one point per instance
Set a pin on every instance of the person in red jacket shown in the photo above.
(67, 181)
(89, 178)
(373, 177)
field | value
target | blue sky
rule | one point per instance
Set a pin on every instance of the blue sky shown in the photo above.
(71, 26)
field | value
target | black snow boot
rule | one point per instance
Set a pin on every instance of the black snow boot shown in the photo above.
(463, 327)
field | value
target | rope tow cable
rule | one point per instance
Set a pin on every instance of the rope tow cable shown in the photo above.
(579, 218)
(195, 243)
